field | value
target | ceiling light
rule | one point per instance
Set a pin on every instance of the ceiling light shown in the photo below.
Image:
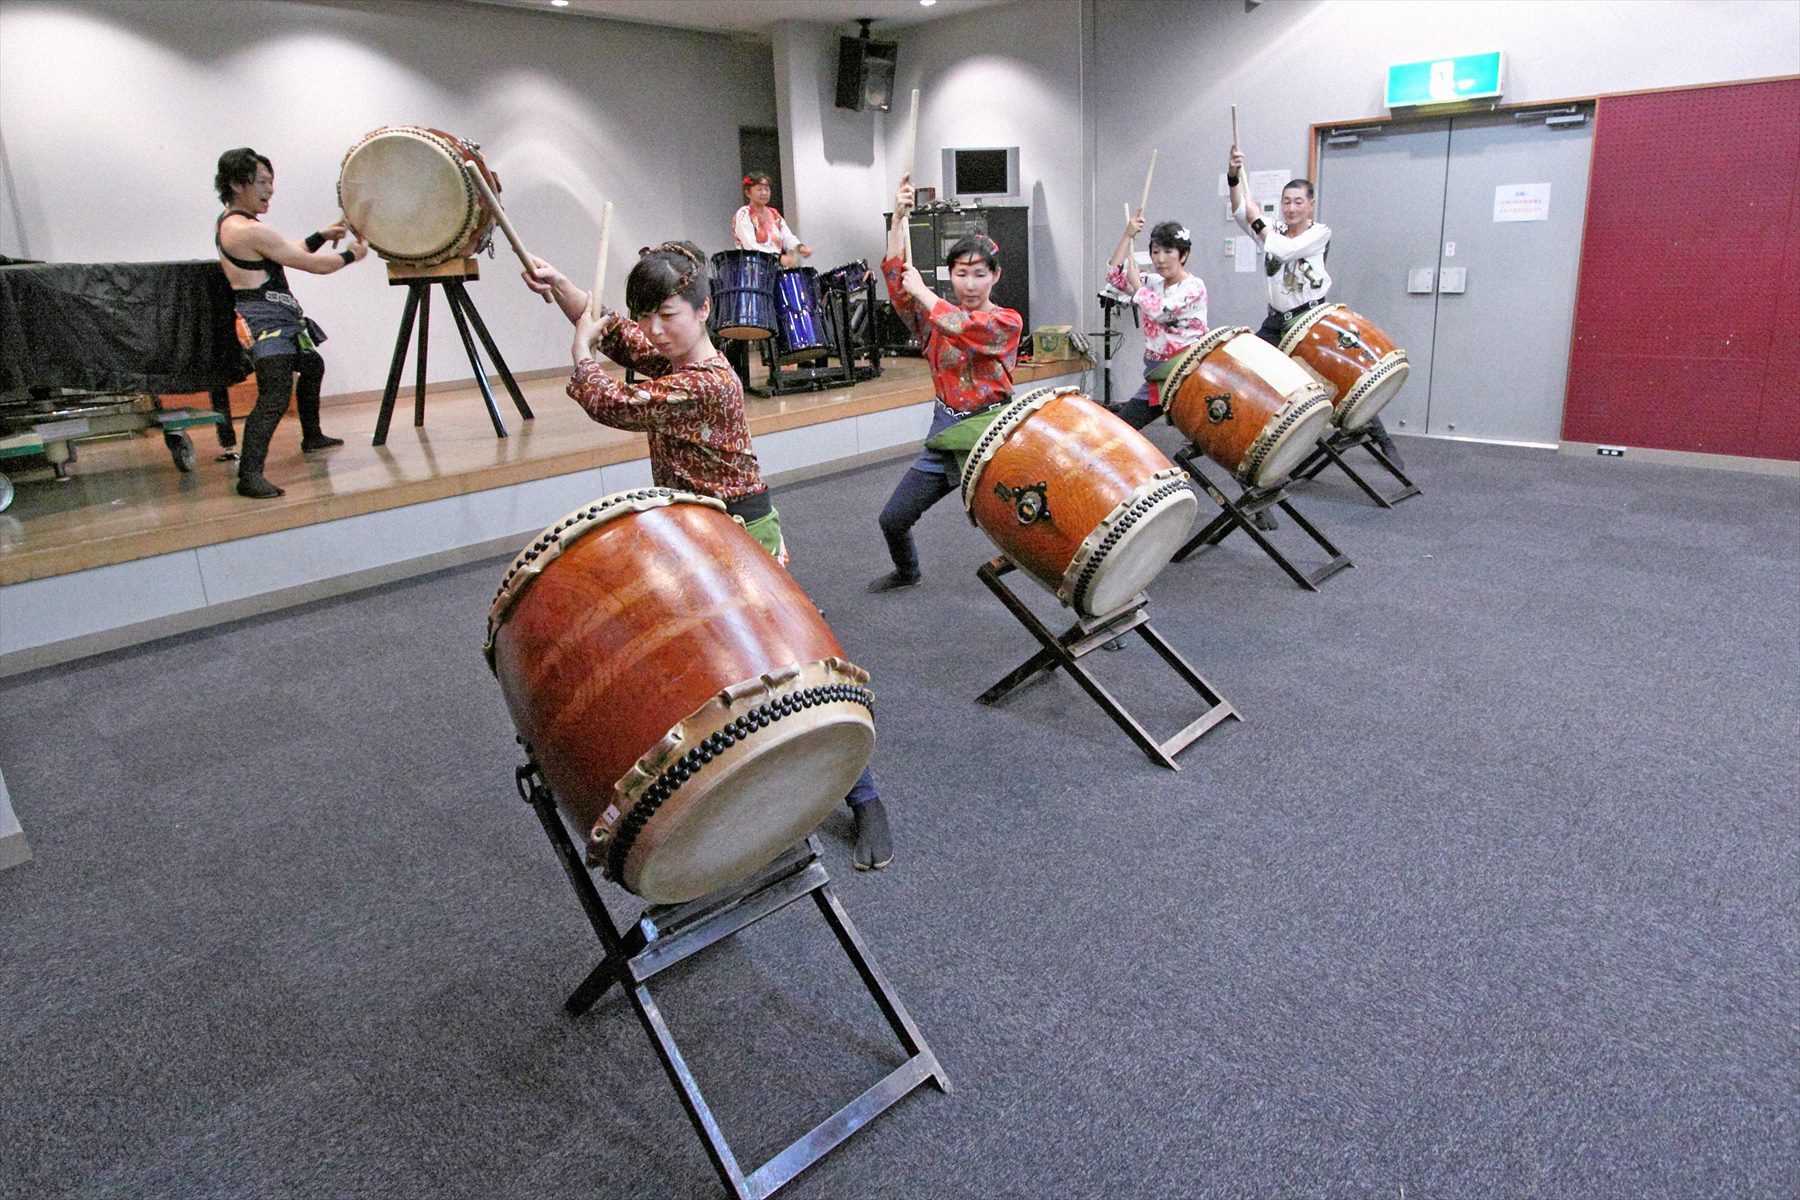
(926, 3)
(559, 3)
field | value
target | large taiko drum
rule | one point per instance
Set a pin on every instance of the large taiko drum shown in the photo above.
(685, 701)
(1352, 357)
(403, 188)
(1078, 499)
(1246, 405)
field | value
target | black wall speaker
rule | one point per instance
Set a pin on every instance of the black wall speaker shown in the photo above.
(865, 78)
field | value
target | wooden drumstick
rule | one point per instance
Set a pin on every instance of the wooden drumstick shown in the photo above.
(506, 225)
(600, 265)
(912, 154)
(1128, 213)
(1148, 176)
(1234, 135)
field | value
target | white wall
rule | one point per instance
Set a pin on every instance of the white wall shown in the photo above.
(1165, 73)
(1003, 76)
(113, 115)
(833, 160)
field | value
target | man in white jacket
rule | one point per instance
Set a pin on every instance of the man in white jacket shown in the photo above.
(1293, 260)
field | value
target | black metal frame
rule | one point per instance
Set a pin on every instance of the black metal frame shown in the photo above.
(1083, 638)
(667, 934)
(1333, 447)
(785, 382)
(462, 310)
(1240, 514)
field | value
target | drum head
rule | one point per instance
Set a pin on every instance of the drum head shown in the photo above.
(1141, 553)
(1294, 443)
(1371, 395)
(753, 808)
(408, 195)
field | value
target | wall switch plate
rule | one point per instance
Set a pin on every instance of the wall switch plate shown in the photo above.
(1230, 247)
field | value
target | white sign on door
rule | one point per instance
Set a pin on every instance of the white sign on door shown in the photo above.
(1522, 202)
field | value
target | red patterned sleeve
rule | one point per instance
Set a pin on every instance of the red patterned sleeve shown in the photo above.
(893, 270)
(626, 345)
(644, 405)
(993, 333)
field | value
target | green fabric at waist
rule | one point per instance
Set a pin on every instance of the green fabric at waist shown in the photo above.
(961, 437)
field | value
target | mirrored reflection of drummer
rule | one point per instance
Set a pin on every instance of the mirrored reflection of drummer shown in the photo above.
(283, 340)
(1171, 301)
(691, 406)
(758, 226)
(971, 347)
(1293, 259)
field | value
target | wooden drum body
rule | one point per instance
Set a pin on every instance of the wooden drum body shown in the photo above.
(1355, 361)
(403, 188)
(686, 702)
(1078, 499)
(1247, 406)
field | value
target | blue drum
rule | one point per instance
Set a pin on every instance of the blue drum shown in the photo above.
(743, 294)
(800, 333)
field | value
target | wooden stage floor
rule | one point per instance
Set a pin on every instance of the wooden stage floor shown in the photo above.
(124, 499)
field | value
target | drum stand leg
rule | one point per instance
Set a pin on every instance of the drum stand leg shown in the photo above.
(1238, 514)
(1331, 449)
(666, 934)
(1083, 638)
(463, 312)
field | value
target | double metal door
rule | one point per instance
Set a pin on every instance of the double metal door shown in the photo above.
(1425, 243)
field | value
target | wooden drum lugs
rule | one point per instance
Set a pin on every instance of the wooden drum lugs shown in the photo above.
(686, 702)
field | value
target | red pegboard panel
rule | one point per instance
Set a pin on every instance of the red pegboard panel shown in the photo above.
(1681, 317)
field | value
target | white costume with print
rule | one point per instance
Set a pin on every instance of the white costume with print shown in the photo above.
(1295, 265)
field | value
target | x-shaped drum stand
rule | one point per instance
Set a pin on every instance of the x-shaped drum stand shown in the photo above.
(1083, 638)
(666, 934)
(1240, 514)
(1332, 450)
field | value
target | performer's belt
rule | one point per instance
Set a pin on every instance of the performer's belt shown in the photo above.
(957, 414)
(267, 295)
(1290, 314)
(753, 507)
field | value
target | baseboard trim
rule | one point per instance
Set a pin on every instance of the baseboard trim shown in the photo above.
(1690, 458)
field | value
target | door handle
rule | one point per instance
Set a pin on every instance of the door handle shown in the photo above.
(1419, 281)
(1454, 281)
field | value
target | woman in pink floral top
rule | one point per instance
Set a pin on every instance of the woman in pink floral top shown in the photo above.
(971, 347)
(1171, 302)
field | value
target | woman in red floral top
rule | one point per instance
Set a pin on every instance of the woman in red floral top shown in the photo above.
(691, 407)
(971, 347)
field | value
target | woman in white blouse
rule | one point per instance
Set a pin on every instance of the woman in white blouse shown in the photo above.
(1171, 302)
(758, 226)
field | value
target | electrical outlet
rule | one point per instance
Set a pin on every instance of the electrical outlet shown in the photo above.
(1610, 451)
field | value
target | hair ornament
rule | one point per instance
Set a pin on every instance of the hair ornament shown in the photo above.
(1183, 234)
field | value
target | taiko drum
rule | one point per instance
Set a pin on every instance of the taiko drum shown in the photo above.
(1349, 354)
(1078, 499)
(1246, 405)
(684, 699)
(404, 189)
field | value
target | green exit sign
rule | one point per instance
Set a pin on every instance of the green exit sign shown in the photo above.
(1444, 80)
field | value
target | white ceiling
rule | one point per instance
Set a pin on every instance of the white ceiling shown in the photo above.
(753, 18)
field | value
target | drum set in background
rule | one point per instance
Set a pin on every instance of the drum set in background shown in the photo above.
(802, 318)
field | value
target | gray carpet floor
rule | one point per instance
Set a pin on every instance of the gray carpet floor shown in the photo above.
(1492, 892)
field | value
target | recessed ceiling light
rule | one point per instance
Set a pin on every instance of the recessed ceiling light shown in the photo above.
(926, 3)
(559, 3)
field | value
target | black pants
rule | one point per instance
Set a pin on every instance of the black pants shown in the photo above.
(274, 387)
(917, 491)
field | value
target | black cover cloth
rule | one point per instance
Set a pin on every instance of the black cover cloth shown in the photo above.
(152, 327)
